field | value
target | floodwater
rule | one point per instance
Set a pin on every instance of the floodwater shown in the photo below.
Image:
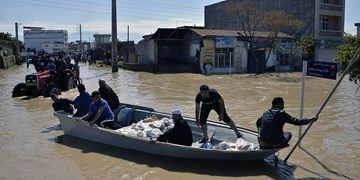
(31, 146)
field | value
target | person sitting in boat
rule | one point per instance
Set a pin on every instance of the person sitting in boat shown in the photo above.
(82, 102)
(99, 112)
(109, 95)
(180, 134)
(210, 99)
(62, 104)
(270, 125)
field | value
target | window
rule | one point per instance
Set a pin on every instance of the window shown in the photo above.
(325, 1)
(324, 23)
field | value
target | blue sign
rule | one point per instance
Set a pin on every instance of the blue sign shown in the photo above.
(225, 42)
(322, 69)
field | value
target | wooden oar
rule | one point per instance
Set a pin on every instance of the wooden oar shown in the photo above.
(353, 60)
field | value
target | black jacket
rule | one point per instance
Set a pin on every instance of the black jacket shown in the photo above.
(271, 125)
(63, 104)
(180, 134)
(109, 96)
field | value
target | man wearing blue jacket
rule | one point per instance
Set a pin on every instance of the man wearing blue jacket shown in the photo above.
(82, 102)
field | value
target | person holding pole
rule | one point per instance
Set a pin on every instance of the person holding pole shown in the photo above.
(270, 125)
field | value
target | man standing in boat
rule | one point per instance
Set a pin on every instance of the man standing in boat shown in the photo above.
(210, 99)
(270, 125)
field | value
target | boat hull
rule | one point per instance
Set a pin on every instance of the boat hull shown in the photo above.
(81, 129)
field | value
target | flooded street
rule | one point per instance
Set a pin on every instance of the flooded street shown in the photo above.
(32, 148)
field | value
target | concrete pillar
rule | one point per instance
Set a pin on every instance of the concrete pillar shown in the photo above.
(358, 29)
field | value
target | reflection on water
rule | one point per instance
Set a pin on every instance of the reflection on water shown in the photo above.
(200, 167)
(32, 147)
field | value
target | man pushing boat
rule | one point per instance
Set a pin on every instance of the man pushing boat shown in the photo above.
(270, 125)
(210, 99)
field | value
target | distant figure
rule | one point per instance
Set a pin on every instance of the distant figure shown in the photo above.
(99, 112)
(210, 99)
(82, 102)
(62, 104)
(270, 125)
(180, 134)
(51, 66)
(109, 95)
(77, 69)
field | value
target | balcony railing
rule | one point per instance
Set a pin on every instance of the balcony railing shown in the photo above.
(331, 7)
(332, 33)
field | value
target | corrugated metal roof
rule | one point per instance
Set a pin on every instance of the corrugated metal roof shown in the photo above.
(216, 32)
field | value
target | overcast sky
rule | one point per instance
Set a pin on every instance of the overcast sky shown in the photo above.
(143, 16)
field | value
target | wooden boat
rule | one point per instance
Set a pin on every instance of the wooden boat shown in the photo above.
(218, 131)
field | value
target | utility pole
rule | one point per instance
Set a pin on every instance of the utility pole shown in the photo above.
(89, 44)
(81, 52)
(17, 55)
(128, 32)
(114, 50)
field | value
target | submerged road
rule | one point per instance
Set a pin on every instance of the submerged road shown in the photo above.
(32, 147)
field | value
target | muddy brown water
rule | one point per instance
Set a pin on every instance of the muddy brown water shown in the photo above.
(32, 148)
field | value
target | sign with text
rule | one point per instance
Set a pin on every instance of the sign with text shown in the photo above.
(322, 69)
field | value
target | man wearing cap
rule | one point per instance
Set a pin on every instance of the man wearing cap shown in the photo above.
(270, 125)
(210, 99)
(180, 134)
(62, 104)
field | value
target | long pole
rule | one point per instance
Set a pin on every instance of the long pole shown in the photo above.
(81, 50)
(114, 50)
(302, 97)
(353, 60)
(128, 33)
(17, 55)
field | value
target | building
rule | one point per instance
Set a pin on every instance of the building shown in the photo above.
(38, 39)
(75, 46)
(324, 19)
(196, 49)
(101, 40)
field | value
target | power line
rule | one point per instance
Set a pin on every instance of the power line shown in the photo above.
(100, 12)
(153, 4)
(133, 8)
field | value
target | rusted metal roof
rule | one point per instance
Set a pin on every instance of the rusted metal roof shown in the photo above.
(216, 32)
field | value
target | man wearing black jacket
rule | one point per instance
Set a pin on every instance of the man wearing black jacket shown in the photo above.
(270, 125)
(180, 134)
(108, 95)
(62, 104)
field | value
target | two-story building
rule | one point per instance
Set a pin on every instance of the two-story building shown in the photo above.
(323, 18)
(38, 39)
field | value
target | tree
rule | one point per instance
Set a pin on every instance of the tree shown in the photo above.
(5, 36)
(307, 44)
(346, 53)
(8, 37)
(250, 20)
(300, 47)
(276, 21)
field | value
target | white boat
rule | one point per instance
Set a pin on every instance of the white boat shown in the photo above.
(218, 131)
